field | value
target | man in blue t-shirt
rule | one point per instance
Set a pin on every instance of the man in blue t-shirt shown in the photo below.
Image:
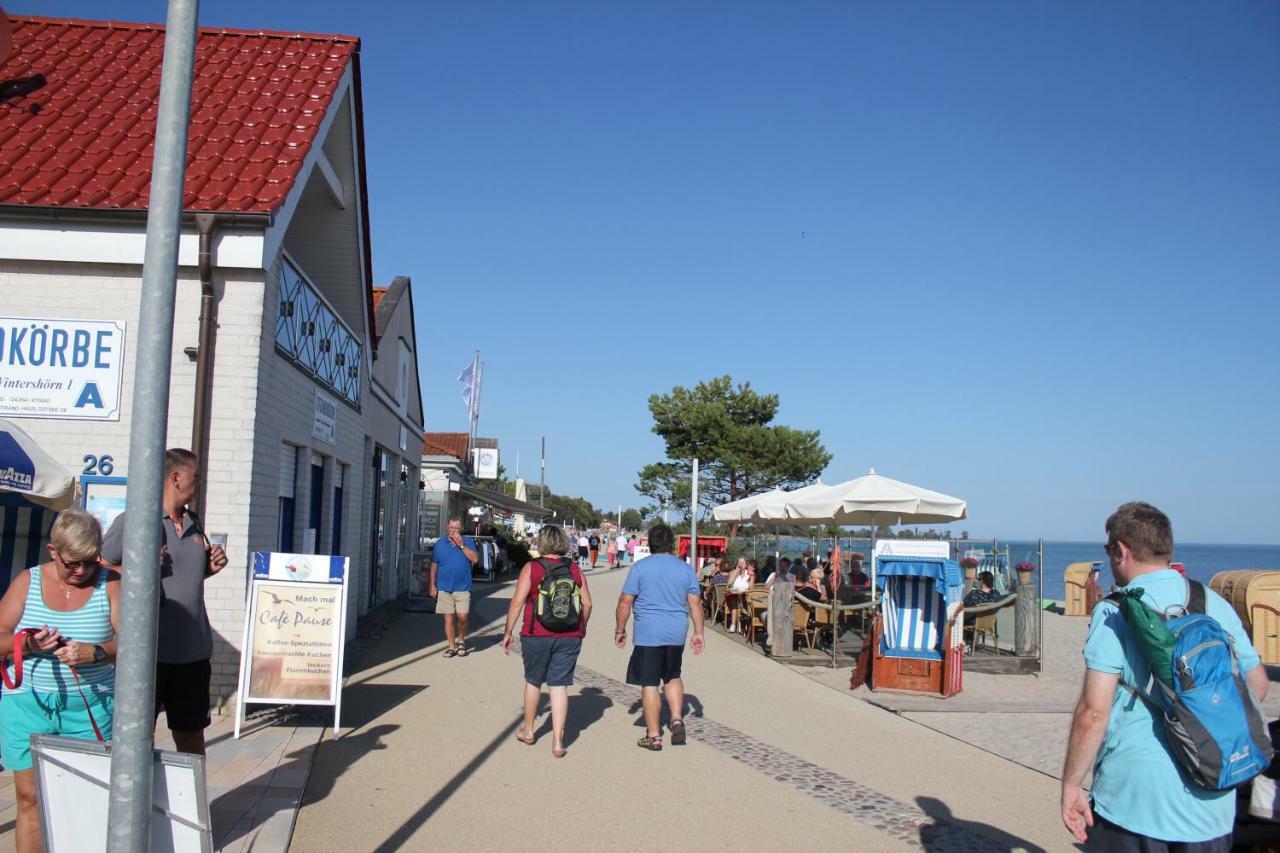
(450, 585)
(662, 591)
(1141, 799)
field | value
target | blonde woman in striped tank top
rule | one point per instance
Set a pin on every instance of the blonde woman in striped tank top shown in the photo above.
(72, 602)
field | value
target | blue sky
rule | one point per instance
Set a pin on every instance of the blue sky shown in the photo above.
(1023, 253)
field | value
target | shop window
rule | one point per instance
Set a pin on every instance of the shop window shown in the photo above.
(339, 474)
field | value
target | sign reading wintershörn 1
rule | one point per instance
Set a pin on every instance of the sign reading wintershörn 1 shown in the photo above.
(61, 368)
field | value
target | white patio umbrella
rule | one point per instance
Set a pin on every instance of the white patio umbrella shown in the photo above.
(28, 471)
(873, 499)
(742, 509)
(773, 507)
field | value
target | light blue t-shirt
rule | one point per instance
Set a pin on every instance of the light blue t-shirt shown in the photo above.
(1137, 783)
(662, 585)
(453, 572)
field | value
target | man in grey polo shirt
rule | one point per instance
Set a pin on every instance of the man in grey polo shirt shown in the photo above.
(186, 640)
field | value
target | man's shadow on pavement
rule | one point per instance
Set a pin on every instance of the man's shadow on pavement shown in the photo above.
(584, 709)
(692, 708)
(935, 836)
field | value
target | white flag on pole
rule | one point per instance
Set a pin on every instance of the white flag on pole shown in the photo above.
(468, 379)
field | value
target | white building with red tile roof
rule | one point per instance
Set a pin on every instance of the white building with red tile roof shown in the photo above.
(314, 408)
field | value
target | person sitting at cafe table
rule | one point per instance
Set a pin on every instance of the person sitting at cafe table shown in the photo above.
(986, 594)
(739, 581)
(812, 587)
(783, 572)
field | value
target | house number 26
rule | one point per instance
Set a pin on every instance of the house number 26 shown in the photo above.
(103, 465)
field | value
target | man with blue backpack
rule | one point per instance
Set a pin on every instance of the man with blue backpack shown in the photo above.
(1167, 718)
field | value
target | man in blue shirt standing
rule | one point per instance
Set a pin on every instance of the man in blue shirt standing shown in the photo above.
(662, 591)
(450, 585)
(1141, 799)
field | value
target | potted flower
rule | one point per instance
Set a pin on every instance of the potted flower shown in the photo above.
(970, 566)
(1024, 572)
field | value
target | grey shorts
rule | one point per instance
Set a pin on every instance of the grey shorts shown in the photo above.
(550, 660)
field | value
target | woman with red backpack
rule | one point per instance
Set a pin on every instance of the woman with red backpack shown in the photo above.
(553, 595)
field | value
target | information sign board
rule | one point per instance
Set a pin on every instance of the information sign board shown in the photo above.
(294, 633)
(61, 368)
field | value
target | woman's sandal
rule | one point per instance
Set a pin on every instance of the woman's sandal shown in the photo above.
(450, 652)
(462, 651)
(650, 743)
(677, 733)
(527, 741)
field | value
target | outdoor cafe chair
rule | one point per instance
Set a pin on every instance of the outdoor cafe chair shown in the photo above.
(801, 619)
(718, 605)
(757, 605)
(983, 620)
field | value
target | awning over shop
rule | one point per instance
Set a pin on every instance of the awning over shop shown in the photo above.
(497, 500)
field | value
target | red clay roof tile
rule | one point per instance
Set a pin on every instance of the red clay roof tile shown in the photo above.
(445, 444)
(257, 104)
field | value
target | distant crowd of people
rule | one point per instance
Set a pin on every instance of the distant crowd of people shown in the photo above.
(618, 548)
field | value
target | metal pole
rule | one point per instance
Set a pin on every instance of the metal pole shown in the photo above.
(542, 477)
(693, 526)
(129, 810)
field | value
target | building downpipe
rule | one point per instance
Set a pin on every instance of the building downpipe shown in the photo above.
(204, 357)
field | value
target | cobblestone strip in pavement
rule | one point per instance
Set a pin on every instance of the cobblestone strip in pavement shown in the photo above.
(899, 820)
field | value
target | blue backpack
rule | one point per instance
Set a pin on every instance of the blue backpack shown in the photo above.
(1212, 724)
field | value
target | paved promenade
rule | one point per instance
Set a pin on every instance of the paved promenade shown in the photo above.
(774, 760)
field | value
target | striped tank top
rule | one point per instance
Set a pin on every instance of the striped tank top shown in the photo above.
(91, 623)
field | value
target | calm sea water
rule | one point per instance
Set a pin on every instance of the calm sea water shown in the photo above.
(1201, 561)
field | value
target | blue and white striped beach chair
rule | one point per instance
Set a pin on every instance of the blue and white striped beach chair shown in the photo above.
(916, 603)
(920, 599)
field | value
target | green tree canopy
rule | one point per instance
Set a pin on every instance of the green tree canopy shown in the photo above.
(728, 428)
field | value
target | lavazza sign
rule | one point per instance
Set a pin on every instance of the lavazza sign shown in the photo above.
(61, 368)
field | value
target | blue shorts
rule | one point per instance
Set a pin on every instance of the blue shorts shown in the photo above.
(29, 712)
(550, 660)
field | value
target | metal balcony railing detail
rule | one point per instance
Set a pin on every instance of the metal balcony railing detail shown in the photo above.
(313, 337)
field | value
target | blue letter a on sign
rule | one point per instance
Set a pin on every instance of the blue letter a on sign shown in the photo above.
(89, 396)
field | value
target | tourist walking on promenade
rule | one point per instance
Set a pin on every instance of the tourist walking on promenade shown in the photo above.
(450, 585)
(662, 591)
(584, 549)
(593, 544)
(611, 553)
(67, 609)
(184, 649)
(1141, 799)
(621, 550)
(552, 592)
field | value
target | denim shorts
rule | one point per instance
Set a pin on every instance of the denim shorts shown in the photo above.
(550, 660)
(28, 713)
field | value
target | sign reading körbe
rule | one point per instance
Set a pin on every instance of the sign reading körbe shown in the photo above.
(61, 368)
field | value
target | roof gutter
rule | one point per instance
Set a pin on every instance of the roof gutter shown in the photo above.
(139, 215)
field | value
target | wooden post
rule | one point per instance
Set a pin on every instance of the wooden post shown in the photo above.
(781, 624)
(1025, 615)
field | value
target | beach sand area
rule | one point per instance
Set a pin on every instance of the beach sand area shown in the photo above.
(1023, 718)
